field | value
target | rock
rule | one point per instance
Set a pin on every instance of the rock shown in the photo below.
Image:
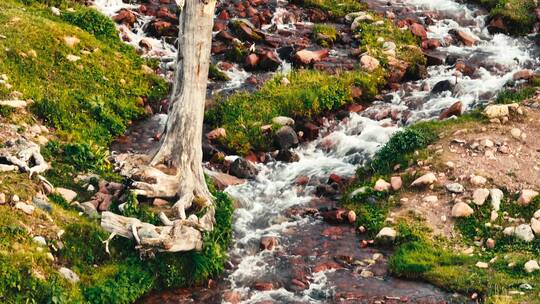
(232, 297)
(286, 138)
(216, 134)
(497, 25)
(283, 121)
(245, 30)
(224, 180)
(482, 265)
(15, 198)
(524, 232)
(55, 11)
(490, 243)
(15, 103)
(455, 188)
(287, 156)
(496, 198)
(89, 209)
(268, 242)
(418, 30)
(73, 58)
(535, 226)
(351, 216)
(42, 203)
(424, 180)
(523, 75)
(69, 275)
(67, 194)
(242, 168)
(396, 182)
(516, 133)
(442, 86)
(40, 240)
(536, 215)
(2, 198)
(386, 235)
(463, 36)
(531, 266)
(369, 63)
(526, 196)
(126, 17)
(307, 57)
(28, 209)
(159, 202)
(71, 41)
(509, 231)
(461, 209)
(478, 180)
(480, 196)
(311, 131)
(454, 110)
(381, 185)
(431, 199)
(251, 61)
(269, 61)
(496, 111)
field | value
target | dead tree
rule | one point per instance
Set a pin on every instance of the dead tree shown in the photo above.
(180, 147)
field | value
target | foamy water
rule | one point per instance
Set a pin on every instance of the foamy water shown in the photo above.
(263, 200)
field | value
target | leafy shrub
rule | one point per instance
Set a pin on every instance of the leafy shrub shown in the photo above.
(83, 245)
(6, 111)
(132, 208)
(336, 8)
(324, 34)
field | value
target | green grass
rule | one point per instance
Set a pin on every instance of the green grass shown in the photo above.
(309, 94)
(336, 8)
(325, 35)
(104, 86)
(518, 15)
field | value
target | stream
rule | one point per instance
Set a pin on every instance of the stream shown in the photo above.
(315, 262)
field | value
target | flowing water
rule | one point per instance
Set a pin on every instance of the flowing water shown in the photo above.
(340, 149)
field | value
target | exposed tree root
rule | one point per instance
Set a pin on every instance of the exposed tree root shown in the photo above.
(23, 155)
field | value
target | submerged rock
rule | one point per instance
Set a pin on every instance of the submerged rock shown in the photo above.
(242, 168)
(286, 138)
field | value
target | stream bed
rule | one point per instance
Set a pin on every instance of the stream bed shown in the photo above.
(313, 261)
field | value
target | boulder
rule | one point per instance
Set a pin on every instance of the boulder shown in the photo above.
(463, 36)
(268, 242)
(42, 203)
(245, 30)
(455, 188)
(454, 110)
(418, 30)
(369, 63)
(67, 194)
(69, 275)
(461, 209)
(283, 121)
(286, 138)
(28, 209)
(351, 216)
(497, 25)
(287, 156)
(242, 168)
(424, 180)
(535, 226)
(496, 198)
(396, 182)
(216, 134)
(526, 196)
(524, 232)
(386, 235)
(478, 180)
(496, 111)
(381, 185)
(224, 180)
(480, 196)
(307, 57)
(125, 16)
(442, 86)
(531, 266)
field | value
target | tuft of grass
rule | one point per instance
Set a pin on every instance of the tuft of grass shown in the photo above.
(336, 8)
(309, 94)
(518, 15)
(325, 35)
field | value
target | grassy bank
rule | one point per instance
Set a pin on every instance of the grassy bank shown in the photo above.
(518, 15)
(86, 85)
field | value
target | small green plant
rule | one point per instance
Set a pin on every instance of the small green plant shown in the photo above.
(325, 35)
(336, 8)
(93, 22)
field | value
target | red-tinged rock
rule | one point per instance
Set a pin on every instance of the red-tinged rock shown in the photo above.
(232, 297)
(497, 25)
(164, 13)
(418, 30)
(537, 13)
(302, 180)
(216, 134)
(311, 131)
(269, 61)
(225, 36)
(105, 201)
(157, 136)
(211, 283)
(434, 58)
(263, 286)
(351, 216)
(463, 36)
(334, 178)
(148, 110)
(332, 231)
(125, 16)
(219, 25)
(225, 66)
(224, 15)
(465, 68)
(145, 44)
(143, 9)
(523, 75)
(158, 202)
(268, 242)
(355, 108)
(454, 110)
(363, 244)
(299, 284)
(326, 266)
(356, 92)
(165, 1)
(251, 61)
(433, 43)
(160, 28)
(251, 11)
(307, 57)
(224, 180)
(218, 47)
(252, 80)
(246, 31)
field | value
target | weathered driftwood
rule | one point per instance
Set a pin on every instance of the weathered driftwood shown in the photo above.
(181, 236)
(24, 155)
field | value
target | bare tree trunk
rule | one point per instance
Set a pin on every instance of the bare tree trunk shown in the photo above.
(181, 145)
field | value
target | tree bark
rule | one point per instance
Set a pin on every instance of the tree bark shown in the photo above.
(179, 148)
